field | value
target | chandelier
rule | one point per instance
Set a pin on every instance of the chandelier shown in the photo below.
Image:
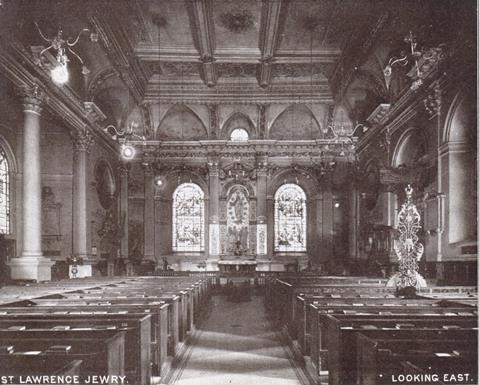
(59, 73)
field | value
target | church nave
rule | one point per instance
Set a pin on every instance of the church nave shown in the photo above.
(237, 345)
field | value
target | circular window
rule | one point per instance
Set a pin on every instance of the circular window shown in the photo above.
(239, 135)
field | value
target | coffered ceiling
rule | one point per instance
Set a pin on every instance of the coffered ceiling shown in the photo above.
(230, 49)
(213, 55)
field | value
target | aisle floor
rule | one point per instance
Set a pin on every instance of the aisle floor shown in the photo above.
(236, 345)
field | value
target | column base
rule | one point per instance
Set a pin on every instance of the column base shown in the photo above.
(31, 268)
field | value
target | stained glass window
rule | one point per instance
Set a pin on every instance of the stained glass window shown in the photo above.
(188, 214)
(239, 135)
(290, 218)
(4, 194)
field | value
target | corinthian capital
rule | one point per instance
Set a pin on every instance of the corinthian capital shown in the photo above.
(82, 140)
(33, 98)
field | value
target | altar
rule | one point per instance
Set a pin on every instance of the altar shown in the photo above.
(237, 267)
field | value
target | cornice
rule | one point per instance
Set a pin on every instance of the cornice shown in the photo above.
(240, 93)
(411, 103)
(332, 149)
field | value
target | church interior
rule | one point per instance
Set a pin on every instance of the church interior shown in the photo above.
(238, 191)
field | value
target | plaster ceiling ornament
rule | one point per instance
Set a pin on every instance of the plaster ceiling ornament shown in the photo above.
(159, 20)
(180, 69)
(237, 21)
(236, 70)
(310, 23)
(300, 69)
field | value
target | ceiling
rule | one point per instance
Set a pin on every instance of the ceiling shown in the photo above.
(320, 53)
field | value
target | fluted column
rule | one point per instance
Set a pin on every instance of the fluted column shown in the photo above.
(31, 265)
(214, 225)
(149, 214)
(82, 142)
(123, 169)
(262, 162)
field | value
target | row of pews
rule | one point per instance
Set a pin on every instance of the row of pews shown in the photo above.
(355, 331)
(115, 331)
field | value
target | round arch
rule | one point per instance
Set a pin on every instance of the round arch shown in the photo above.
(290, 218)
(188, 218)
(297, 176)
(12, 160)
(410, 147)
(235, 121)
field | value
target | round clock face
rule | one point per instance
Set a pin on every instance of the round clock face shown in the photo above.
(105, 184)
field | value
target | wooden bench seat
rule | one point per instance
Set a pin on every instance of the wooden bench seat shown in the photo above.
(157, 310)
(307, 305)
(382, 356)
(337, 342)
(137, 338)
(101, 352)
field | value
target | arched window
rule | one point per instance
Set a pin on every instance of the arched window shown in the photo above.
(188, 214)
(290, 218)
(239, 135)
(4, 194)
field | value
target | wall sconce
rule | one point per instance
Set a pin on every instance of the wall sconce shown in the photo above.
(59, 72)
(127, 150)
(158, 181)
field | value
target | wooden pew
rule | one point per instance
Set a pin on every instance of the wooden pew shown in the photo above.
(383, 356)
(308, 304)
(157, 310)
(324, 323)
(137, 337)
(339, 341)
(101, 351)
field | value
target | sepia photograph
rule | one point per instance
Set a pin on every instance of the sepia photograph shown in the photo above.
(239, 192)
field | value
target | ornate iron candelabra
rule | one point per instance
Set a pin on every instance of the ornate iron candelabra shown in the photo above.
(407, 247)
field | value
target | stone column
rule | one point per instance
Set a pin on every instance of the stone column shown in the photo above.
(149, 214)
(31, 265)
(81, 144)
(353, 217)
(262, 163)
(123, 169)
(213, 218)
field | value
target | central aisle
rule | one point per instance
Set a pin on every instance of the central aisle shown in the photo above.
(235, 345)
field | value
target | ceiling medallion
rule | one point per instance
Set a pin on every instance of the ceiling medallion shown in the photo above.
(310, 23)
(237, 21)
